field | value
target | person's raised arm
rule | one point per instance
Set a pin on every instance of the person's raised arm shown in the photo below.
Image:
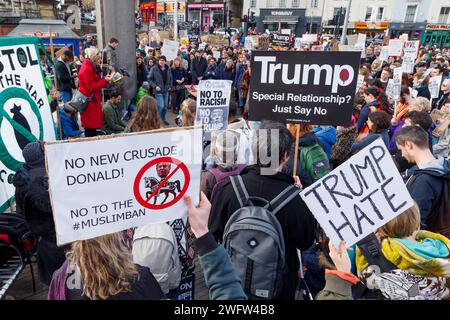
(220, 277)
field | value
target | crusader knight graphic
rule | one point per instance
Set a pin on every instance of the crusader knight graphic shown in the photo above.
(168, 188)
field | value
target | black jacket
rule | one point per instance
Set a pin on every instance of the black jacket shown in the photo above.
(65, 82)
(296, 220)
(145, 288)
(198, 68)
(426, 185)
(39, 217)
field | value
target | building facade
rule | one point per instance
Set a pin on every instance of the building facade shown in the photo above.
(392, 17)
(207, 13)
(300, 16)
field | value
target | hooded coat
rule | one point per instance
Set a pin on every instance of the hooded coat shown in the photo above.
(425, 183)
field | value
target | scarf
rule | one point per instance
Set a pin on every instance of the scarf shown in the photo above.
(428, 257)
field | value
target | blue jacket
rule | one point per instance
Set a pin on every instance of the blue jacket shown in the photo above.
(371, 137)
(240, 70)
(326, 135)
(226, 74)
(70, 127)
(211, 73)
(222, 281)
(178, 74)
(364, 114)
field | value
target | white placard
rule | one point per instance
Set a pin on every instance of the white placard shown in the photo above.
(285, 31)
(213, 104)
(202, 46)
(435, 86)
(360, 82)
(249, 43)
(384, 54)
(216, 54)
(404, 37)
(390, 89)
(308, 38)
(25, 114)
(411, 47)
(361, 39)
(103, 186)
(413, 92)
(397, 82)
(409, 60)
(170, 49)
(395, 47)
(298, 43)
(363, 194)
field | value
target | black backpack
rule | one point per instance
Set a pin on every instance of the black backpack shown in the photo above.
(439, 219)
(370, 248)
(14, 232)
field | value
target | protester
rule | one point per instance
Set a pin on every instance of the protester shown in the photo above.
(378, 123)
(69, 123)
(179, 77)
(413, 253)
(91, 84)
(211, 73)
(406, 252)
(155, 247)
(141, 72)
(111, 115)
(443, 95)
(160, 79)
(105, 270)
(223, 161)
(110, 54)
(295, 218)
(227, 72)
(33, 201)
(146, 116)
(371, 104)
(188, 110)
(198, 67)
(327, 136)
(425, 181)
(64, 75)
(312, 161)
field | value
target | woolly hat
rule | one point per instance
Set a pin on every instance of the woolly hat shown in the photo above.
(226, 147)
(33, 154)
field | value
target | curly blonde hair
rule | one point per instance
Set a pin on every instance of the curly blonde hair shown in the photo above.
(106, 266)
(146, 116)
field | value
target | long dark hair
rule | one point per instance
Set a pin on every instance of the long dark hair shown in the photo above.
(381, 98)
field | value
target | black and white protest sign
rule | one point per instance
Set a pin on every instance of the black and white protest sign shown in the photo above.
(213, 104)
(435, 86)
(280, 40)
(397, 82)
(409, 59)
(123, 181)
(303, 87)
(360, 196)
(395, 47)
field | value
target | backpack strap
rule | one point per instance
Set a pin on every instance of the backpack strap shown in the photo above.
(240, 190)
(284, 198)
(371, 250)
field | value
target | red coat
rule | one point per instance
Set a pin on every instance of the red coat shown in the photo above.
(90, 83)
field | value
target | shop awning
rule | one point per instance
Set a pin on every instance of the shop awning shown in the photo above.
(282, 19)
(33, 27)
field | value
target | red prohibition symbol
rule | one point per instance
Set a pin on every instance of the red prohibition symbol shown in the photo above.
(161, 187)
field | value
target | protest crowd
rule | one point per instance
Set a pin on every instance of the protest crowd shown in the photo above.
(254, 236)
